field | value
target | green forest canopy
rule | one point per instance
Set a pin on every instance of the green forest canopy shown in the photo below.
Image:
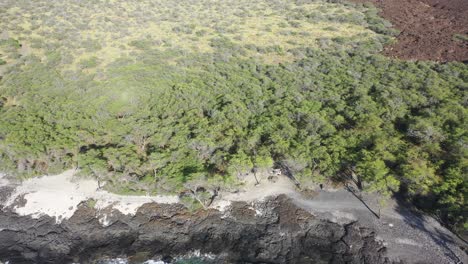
(206, 90)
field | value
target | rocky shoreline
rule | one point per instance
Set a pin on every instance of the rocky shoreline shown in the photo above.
(281, 233)
(65, 219)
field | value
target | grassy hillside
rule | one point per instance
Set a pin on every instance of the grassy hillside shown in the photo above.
(79, 31)
(153, 96)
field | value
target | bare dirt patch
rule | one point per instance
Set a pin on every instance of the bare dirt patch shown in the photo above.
(430, 29)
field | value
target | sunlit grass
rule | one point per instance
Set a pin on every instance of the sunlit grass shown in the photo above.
(107, 29)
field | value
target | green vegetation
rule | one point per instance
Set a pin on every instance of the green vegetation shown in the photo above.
(91, 203)
(460, 37)
(107, 29)
(164, 96)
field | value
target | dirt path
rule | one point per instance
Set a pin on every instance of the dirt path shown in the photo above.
(430, 29)
(407, 235)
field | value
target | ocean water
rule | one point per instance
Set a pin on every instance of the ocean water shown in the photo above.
(189, 260)
(194, 257)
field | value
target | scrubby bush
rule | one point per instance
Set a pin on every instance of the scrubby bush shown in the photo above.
(152, 113)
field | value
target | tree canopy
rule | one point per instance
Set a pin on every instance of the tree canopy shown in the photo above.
(160, 119)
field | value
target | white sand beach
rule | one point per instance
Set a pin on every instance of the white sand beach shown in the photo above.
(252, 192)
(59, 195)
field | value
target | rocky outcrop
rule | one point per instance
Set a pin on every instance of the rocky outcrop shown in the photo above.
(273, 231)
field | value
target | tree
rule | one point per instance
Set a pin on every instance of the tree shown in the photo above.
(418, 173)
(376, 175)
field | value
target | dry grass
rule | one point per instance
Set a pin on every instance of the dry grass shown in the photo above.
(106, 29)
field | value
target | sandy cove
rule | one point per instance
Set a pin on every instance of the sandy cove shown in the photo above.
(59, 195)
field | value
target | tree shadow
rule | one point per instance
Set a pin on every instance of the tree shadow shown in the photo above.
(349, 189)
(417, 220)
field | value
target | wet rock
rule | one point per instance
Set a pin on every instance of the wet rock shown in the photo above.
(5, 193)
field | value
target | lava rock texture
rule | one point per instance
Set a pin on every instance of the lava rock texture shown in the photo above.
(275, 231)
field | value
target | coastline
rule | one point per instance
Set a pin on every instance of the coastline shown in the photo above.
(59, 195)
(407, 237)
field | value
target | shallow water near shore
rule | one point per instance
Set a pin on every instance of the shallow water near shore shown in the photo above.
(187, 260)
(194, 257)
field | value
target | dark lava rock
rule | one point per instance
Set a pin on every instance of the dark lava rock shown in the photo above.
(5, 192)
(283, 233)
